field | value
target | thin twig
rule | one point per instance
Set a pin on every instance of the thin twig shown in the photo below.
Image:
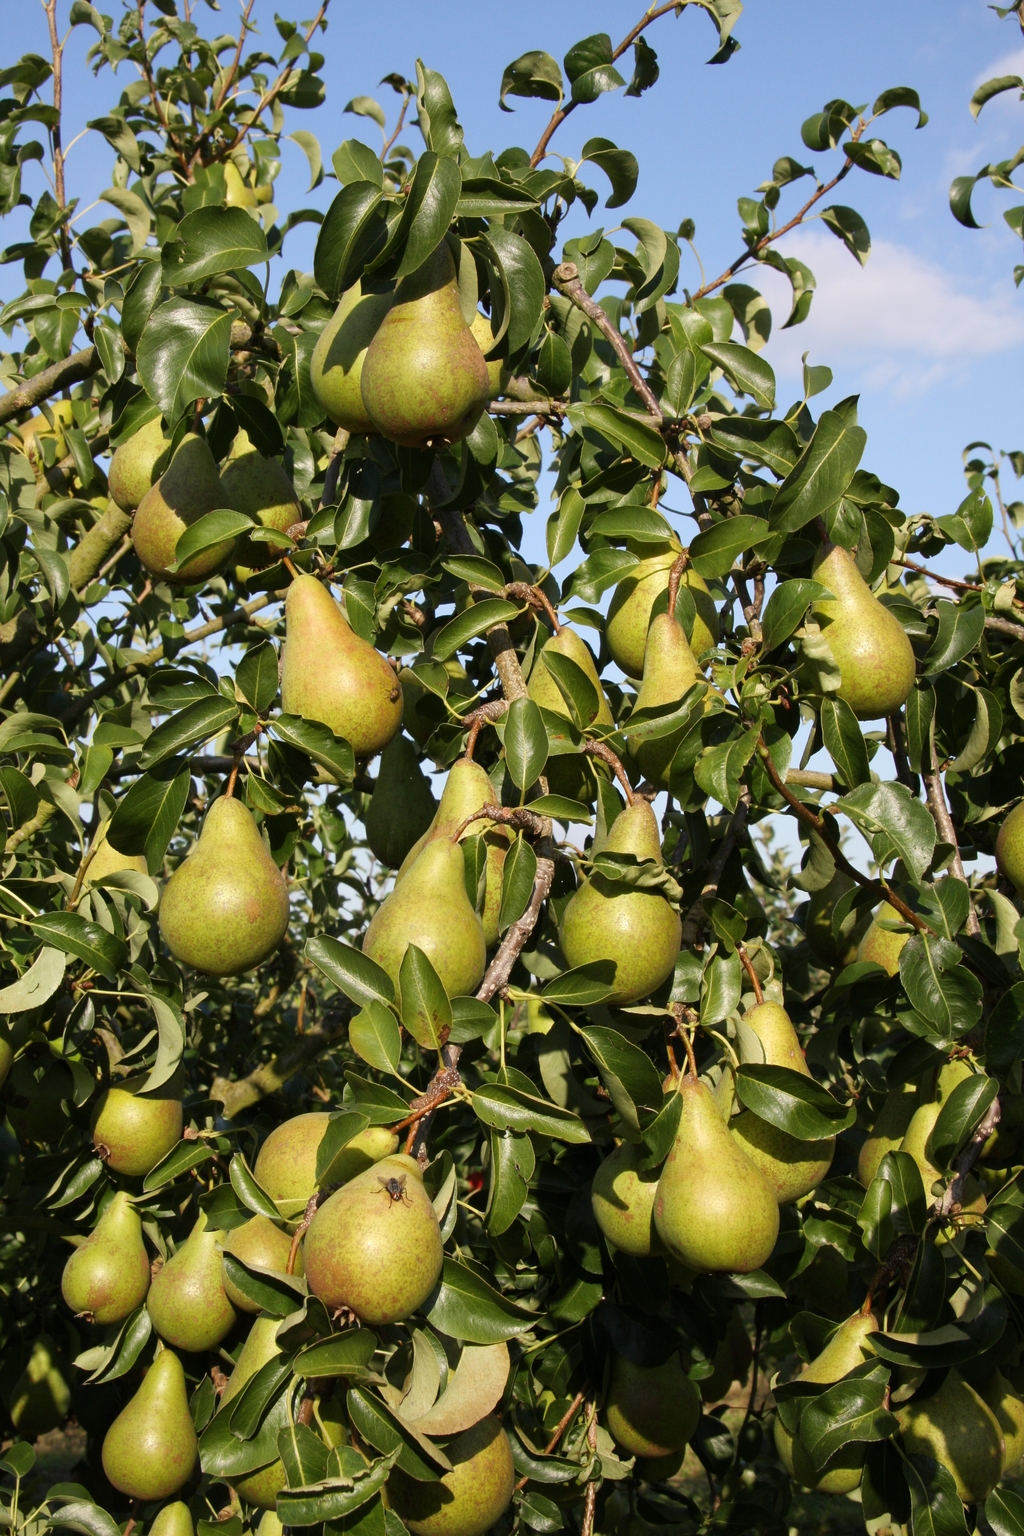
(938, 805)
(566, 279)
(598, 749)
(944, 581)
(563, 1424)
(751, 974)
(953, 1195)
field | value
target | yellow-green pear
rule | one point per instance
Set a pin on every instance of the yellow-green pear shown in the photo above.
(187, 1302)
(107, 861)
(470, 1498)
(889, 1129)
(260, 488)
(498, 374)
(286, 1165)
(262, 1485)
(6, 1058)
(792, 1167)
(651, 1410)
(847, 1348)
(225, 908)
(107, 1277)
(424, 379)
(868, 642)
(1010, 848)
(831, 951)
(133, 1130)
(629, 613)
(375, 1246)
(150, 1450)
(173, 1520)
(713, 1209)
(429, 907)
(570, 773)
(958, 1430)
(623, 1200)
(1006, 1403)
(881, 944)
(635, 929)
(41, 1397)
(915, 1145)
(467, 789)
(131, 468)
(402, 805)
(335, 370)
(260, 1244)
(187, 490)
(670, 671)
(332, 675)
(779, 1040)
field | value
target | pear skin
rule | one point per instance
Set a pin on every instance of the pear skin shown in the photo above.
(375, 1246)
(108, 1276)
(774, 1028)
(173, 1520)
(132, 1131)
(498, 375)
(429, 908)
(260, 488)
(670, 671)
(470, 1498)
(888, 1131)
(881, 945)
(1005, 1402)
(107, 861)
(915, 1144)
(150, 1450)
(187, 1302)
(286, 1165)
(261, 1245)
(636, 929)
(847, 1348)
(651, 1410)
(623, 1202)
(259, 1349)
(868, 643)
(1010, 848)
(402, 805)
(467, 789)
(792, 1168)
(41, 1397)
(714, 1211)
(629, 614)
(225, 908)
(131, 468)
(830, 951)
(332, 675)
(569, 773)
(424, 379)
(335, 370)
(187, 490)
(959, 1430)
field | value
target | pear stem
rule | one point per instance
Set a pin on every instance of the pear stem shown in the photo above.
(598, 749)
(300, 1232)
(691, 1060)
(751, 973)
(293, 573)
(79, 878)
(675, 576)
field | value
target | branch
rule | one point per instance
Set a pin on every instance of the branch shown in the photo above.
(93, 547)
(1000, 626)
(527, 407)
(695, 916)
(598, 749)
(453, 526)
(963, 1164)
(806, 778)
(57, 50)
(939, 808)
(272, 1075)
(944, 581)
(70, 370)
(566, 279)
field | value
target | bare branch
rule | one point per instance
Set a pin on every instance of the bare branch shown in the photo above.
(70, 370)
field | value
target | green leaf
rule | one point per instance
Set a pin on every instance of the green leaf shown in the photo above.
(792, 1102)
(361, 979)
(852, 1411)
(210, 241)
(560, 808)
(36, 985)
(745, 370)
(518, 286)
(426, 1011)
(935, 1505)
(429, 209)
(207, 532)
(476, 570)
(509, 1109)
(196, 722)
(960, 629)
(134, 212)
(848, 226)
(785, 609)
(816, 483)
(183, 354)
(146, 819)
(994, 87)
(100, 950)
(465, 1307)
(417, 1456)
(473, 621)
(573, 684)
(374, 1035)
(619, 165)
(628, 1073)
(589, 67)
(942, 990)
(243, 1182)
(82, 1515)
(844, 743)
(319, 742)
(772, 443)
(276, 1295)
(714, 551)
(256, 678)
(352, 235)
(897, 825)
(517, 880)
(344, 1354)
(1004, 1511)
(642, 442)
(959, 1118)
(532, 74)
(526, 742)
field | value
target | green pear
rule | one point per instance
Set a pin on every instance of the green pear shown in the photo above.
(670, 671)
(636, 929)
(881, 944)
(713, 1210)
(375, 1246)
(569, 773)
(108, 1276)
(336, 367)
(959, 1430)
(1006, 1403)
(792, 1167)
(286, 1165)
(130, 475)
(225, 908)
(467, 789)
(1010, 848)
(651, 1410)
(187, 490)
(832, 952)
(402, 806)
(107, 861)
(40, 1398)
(261, 1486)
(424, 380)
(470, 1498)
(847, 1348)
(173, 1520)
(429, 908)
(888, 1131)
(150, 1450)
(868, 642)
(6, 1058)
(916, 1145)
(261, 1245)
(260, 488)
(332, 675)
(623, 1200)
(629, 613)
(779, 1040)
(187, 1302)
(132, 1130)
(498, 375)
(35, 1092)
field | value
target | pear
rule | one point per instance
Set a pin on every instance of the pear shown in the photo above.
(470, 1498)
(792, 1167)
(1005, 1402)
(150, 1450)
(335, 370)
(569, 773)
(286, 1165)
(882, 945)
(131, 468)
(779, 1040)
(260, 488)
(623, 1200)
(830, 951)
(1010, 848)
(429, 908)
(651, 1410)
(132, 1131)
(638, 930)
(424, 378)
(187, 1302)
(108, 1276)
(847, 1348)
(173, 1520)
(629, 614)
(959, 1430)
(259, 1349)
(225, 908)
(331, 675)
(6, 1058)
(187, 490)
(498, 375)
(868, 643)
(714, 1210)
(107, 861)
(261, 1245)
(467, 789)
(36, 1090)
(262, 1486)
(375, 1246)
(41, 1397)
(670, 671)
(402, 806)
(889, 1129)
(915, 1144)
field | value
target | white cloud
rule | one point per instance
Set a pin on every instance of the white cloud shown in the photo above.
(1009, 64)
(902, 322)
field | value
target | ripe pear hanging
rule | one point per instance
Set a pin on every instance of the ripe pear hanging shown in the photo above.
(623, 1200)
(261, 1245)
(468, 1500)
(888, 1131)
(260, 488)
(188, 489)
(131, 469)
(429, 907)
(868, 642)
(107, 861)
(225, 908)
(1010, 848)
(633, 601)
(332, 675)
(132, 1130)
(883, 945)
(467, 789)
(651, 1410)
(670, 671)
(286, 1165)
(424, 379)
(108, 1276)
(847, 1348)
(637, 930)
(187, 1301)
(336, 367)
(569, 773)
(957, 1428)
(262, 1485)
(792, 1167)
(150, 1449)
